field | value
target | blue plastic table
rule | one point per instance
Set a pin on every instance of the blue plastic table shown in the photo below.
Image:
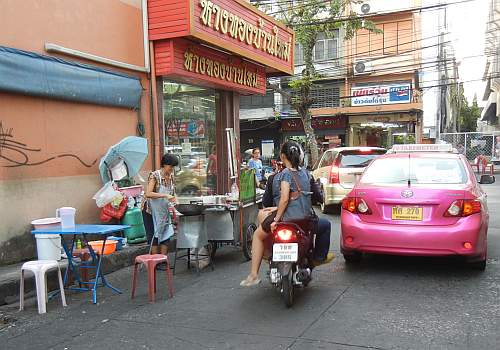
(84, 231)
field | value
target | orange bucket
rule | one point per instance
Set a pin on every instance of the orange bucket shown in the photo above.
(109, 248)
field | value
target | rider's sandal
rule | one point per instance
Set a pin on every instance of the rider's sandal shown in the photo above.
(247, 282)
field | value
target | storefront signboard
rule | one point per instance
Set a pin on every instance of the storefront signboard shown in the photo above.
(380, 94)
(318, 123)
(199, 65)
(232, 25)
(182, 128)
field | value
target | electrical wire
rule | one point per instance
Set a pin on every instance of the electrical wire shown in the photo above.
(349, 18)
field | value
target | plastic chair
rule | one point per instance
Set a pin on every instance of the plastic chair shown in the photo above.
(39, 269)
(151, 261)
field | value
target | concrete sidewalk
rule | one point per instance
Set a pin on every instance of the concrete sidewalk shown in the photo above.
(10, 274)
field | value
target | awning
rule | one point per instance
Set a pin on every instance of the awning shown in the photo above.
(28, 73)
(489, 112)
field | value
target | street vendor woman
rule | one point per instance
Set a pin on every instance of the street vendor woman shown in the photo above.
(160, 194)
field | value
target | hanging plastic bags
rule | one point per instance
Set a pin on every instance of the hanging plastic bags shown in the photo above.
(106, 194)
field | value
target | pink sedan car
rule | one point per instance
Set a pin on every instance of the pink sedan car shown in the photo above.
(424, 203)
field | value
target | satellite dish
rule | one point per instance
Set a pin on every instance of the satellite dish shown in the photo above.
(365, 8)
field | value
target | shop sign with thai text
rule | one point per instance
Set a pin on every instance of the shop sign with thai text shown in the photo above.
(188, 62)
(380, 94)
(256, 35)
(318, 123)
(235, 26)
(226, 72)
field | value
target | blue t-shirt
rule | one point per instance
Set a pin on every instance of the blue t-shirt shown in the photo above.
(257, 165)
(302, 177)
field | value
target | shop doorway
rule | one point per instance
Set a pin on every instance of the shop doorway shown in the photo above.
(382, 134)
(189, 120)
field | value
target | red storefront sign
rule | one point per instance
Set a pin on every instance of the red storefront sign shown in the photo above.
(188, 62)
(232, 25)
(318, 123)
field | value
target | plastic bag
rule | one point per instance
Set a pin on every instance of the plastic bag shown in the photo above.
(117, 213)
(106, 194)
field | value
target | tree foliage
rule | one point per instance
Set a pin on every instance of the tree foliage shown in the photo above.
(469, 114)
(309, 19)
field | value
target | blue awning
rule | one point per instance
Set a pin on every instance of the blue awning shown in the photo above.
(28, 73)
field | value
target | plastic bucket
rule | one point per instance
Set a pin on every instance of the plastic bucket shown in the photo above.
(67, 215)
(41, 224)
(48, 246)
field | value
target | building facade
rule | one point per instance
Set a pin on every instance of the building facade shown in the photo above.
(369, 93)
(384, 103)
(491, 112)
(54, 129)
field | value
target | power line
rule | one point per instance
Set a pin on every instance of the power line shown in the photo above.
(349, 18)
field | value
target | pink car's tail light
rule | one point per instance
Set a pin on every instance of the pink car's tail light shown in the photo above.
(356, 205)
(471, 207)
(463, 208)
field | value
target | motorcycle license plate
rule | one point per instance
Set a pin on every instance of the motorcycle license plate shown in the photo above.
(285, 251)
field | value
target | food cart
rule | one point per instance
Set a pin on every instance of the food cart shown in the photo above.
(234, 222)
(228, 219)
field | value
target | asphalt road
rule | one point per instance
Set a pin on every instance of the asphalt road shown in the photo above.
(384, 303)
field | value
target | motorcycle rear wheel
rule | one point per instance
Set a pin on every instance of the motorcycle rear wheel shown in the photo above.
(287, 289)
(247, 240)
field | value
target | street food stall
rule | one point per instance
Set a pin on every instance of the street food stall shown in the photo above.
(205, 55)
(227, 219)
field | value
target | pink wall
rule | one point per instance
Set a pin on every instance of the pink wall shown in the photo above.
(112, 29)
(107, 28)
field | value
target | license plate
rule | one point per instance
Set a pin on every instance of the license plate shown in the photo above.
(285, 252)
(407, 213)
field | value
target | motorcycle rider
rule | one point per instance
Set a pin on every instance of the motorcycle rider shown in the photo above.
(284, 184)
(321, 253)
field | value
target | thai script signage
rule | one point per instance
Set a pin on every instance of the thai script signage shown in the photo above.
(318, 123)
(254, 34)
(191, 63)
(380, 94)
(214, 68)
(234, 26)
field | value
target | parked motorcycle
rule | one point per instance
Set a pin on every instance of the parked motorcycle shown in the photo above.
(290, 265)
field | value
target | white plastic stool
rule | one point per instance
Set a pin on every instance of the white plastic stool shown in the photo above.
(39, 269)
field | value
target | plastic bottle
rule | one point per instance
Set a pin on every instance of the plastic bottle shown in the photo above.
(235, 192)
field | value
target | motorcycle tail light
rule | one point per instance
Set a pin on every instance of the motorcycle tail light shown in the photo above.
(285, 234)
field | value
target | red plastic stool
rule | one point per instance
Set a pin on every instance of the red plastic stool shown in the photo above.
(150, 261)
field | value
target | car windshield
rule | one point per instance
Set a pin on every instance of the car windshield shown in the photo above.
(358, 159)
(417, 170)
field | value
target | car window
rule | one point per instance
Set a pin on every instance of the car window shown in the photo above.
(417, 170)
(358, 158)
(326, 160)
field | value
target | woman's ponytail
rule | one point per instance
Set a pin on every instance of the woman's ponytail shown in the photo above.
(293, 152)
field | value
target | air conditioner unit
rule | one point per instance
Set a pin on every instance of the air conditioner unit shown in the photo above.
(362, 67)
(364, 8)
